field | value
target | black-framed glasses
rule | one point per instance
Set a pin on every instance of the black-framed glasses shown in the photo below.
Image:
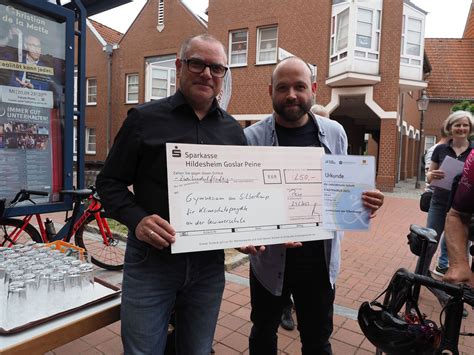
(197, 66)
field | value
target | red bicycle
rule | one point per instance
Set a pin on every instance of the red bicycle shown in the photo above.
(101, 236)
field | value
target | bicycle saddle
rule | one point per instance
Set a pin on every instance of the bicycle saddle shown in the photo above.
(419, 236)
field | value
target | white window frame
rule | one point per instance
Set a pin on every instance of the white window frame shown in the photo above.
(129, 86)
(89, 134)
(89, 95)
(406, 58)
(170, 73)
(338, 54)
(372, 52)
(242, 64)
(429, 142)
(259, 31)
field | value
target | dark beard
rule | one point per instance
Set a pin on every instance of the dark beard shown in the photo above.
(291, 115)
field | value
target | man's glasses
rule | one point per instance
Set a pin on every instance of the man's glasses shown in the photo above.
(197, 66)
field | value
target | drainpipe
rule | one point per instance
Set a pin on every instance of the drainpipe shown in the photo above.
(108, 49)
(400, 138)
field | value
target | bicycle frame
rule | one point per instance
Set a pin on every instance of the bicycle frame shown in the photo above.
(403, 282)
(72, 224)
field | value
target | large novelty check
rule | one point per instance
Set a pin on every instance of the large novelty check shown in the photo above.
(232, 196)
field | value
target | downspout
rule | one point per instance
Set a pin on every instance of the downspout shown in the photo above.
(400, 137)
(108, 49)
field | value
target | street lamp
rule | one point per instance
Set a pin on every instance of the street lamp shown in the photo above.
(422, 103)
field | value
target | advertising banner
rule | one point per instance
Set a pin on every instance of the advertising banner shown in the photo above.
(32, 67)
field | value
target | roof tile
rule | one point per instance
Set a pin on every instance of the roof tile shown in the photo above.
(452, 74)
(109, 35)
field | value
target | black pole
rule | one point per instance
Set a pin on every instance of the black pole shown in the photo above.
(420, 152)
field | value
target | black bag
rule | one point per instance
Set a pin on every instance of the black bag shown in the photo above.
(425, 200)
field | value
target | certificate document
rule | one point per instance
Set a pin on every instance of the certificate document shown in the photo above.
(345, 177)
(232, 196)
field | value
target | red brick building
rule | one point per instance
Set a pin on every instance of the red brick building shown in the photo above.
(100, 41)
(368, 58)
(452, 77)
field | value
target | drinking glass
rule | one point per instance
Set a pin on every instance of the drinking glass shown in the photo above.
(16, 299)
(56, 292)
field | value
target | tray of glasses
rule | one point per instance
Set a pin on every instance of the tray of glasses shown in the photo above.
(19, 316)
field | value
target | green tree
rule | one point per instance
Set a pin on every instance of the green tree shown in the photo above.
(464, 105)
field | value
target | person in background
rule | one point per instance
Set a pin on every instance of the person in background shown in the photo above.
(459, 126)
(155, 281)
(443, 257)
(320, 110)
(459, 223)
(444, 138)
(306, 270)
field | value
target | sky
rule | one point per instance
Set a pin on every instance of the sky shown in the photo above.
(445, 19)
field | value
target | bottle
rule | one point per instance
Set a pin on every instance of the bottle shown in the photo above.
(50, 229)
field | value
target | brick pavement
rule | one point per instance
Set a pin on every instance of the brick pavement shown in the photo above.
(368, 261)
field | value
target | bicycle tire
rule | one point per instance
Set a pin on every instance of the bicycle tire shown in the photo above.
(8, 226)
(89, 237)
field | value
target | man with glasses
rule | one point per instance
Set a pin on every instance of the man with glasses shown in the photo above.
(32, 55)
(155, 281)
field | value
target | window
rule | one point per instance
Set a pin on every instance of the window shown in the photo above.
(429, 142)
(75, 88)
(364, 28)
(342, 30)
(74, 142)
(160, 79)
(91, 85)
(413, 37)
(90, 141)
(132, 89)
(238, 47)
(368, 33)
(339, 35)
(267, 39)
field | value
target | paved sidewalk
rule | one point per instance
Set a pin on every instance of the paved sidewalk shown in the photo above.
(368, 261)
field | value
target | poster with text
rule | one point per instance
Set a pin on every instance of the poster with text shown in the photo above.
(32, 67)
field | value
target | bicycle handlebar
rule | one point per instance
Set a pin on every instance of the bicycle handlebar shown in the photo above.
(462, 291)
(24, 195)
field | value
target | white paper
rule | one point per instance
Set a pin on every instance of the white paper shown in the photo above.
(345, 177)
(451, 168)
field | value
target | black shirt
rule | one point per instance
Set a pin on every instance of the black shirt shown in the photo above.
(138, 156)
(440, 152)
(310, 254)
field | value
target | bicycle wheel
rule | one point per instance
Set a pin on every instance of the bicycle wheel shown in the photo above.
(107, 252)
(11, 232)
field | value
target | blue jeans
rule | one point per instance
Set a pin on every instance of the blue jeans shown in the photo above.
(436, 220)
(443, 261)
(155, 283)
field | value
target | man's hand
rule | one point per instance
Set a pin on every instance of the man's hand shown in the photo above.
(372, 200)
(24, 84)
(291, 245)
(457, 274)
(252, 249)
(155, 231)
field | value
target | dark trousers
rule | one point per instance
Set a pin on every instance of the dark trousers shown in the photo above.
(313, 297)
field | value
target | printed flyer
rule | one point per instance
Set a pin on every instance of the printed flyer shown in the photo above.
(32, 65)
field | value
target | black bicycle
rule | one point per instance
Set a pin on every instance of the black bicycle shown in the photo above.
(397, 326)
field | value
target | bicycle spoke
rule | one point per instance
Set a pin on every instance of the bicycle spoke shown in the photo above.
(110, 254)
